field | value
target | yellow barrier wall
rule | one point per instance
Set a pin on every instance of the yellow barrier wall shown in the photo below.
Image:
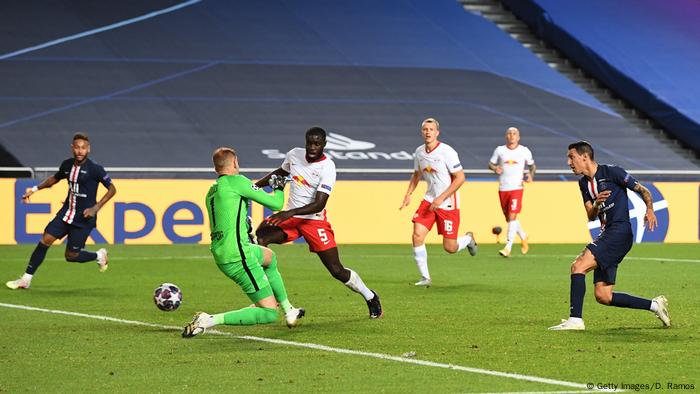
(172, 211)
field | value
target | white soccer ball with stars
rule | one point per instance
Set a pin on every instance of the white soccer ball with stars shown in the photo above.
(167, 297)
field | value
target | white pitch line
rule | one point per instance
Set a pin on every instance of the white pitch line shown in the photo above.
(572, 256)
(316, 347)
(98, 30)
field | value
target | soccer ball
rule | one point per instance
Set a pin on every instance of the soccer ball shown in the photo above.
(167, 297)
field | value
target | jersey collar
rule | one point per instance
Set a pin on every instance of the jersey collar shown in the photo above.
(322, 158)
(431, 150)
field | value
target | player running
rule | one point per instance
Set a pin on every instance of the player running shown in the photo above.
(227, 207)
(77, 217)
(439, 165)
(508, 161)
(603, 188)
(313, 177)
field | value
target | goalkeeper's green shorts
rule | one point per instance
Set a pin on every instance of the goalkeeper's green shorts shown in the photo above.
(249, 275)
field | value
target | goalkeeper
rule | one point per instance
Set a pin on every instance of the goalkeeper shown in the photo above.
(227, 206)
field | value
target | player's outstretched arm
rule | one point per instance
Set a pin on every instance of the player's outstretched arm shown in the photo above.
(412, 184)
(45, 184)
(649, 216)
(249, 190)
(264, 181)
(315, 206)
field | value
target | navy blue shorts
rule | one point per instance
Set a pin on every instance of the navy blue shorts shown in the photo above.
(609, 249)
(76, 235)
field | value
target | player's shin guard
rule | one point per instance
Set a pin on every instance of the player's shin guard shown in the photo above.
(37, 258)
(420, 254)
(578, 291)
(247, 316)
(277, 284)
(624, 300)
(358, 286)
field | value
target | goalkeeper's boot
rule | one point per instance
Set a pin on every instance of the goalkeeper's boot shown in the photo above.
(196, 326)
(504, 252)
(102, 259)
(570, 324)
(524, 247)
(293, 315)
(20, 283)
(375, 307)
(424, 282)
(472, 245)
(662, 311)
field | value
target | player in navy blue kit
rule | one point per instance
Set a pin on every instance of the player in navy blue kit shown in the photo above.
(78, 216)
(603, 188)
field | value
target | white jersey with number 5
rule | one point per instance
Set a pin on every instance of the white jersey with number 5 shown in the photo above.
(436, 167)
(513, 163)
(307, 179)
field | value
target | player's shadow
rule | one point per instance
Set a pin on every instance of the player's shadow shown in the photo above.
(640, 334)
(71, 292)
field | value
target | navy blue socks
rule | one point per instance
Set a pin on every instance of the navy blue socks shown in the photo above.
(578, 290)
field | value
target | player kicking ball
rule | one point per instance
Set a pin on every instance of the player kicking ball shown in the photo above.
(439, 165)
(603, 188)
(227, 206)
(312, 179)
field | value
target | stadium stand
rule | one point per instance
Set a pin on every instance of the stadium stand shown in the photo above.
(165, 90)
(644, 50)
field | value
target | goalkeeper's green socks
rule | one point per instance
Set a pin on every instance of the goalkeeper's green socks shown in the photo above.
(277, 284)
(246, 317)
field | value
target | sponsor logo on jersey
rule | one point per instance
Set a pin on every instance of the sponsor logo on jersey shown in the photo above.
(637, 209)
(430, 170)
(510, 162)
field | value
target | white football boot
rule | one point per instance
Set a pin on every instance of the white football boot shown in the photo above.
(102, 259)
(572, 324)
(662, 311)
(424, 282)
(293, 315)
(197, 325)
(472, 246)
(20, 283)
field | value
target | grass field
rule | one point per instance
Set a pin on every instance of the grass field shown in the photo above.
(485, 312)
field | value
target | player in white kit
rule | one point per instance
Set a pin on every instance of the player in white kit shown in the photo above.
(439, 165)
(313, 177)
(508, 161)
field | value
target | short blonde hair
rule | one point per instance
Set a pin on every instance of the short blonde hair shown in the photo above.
(431, 120)
(223, 157)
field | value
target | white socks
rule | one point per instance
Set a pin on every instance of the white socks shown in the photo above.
(420, 254)
(654, 306)
(462, 241)
(513, 226)
(27, 277)
(358, 286)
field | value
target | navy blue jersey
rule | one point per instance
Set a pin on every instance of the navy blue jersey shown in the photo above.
(615, 179)
(82, 190)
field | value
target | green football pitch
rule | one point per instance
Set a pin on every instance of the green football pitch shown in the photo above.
(481, 327)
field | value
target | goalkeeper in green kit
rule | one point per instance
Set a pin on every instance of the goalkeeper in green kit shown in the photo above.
(251, 266)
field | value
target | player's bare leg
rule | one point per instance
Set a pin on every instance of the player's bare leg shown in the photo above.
(331, 260)
(35, 261)
(420, 254)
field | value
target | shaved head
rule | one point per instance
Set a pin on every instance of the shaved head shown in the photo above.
(224, 159)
